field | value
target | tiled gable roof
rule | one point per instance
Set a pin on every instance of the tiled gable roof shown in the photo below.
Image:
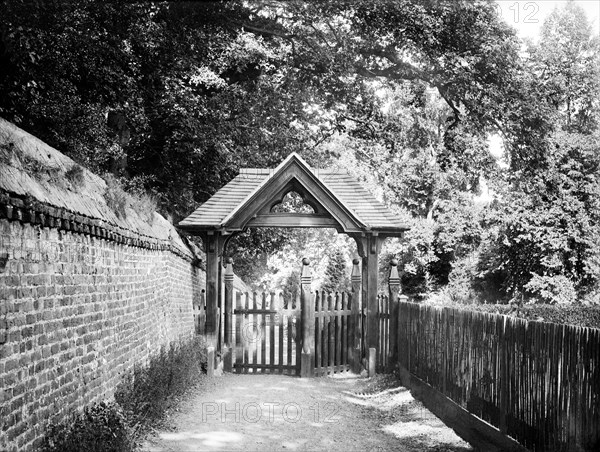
(349, 191)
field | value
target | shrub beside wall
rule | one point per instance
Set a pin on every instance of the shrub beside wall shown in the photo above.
(142, 398)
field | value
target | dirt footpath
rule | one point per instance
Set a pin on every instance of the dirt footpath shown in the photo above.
(277, 412)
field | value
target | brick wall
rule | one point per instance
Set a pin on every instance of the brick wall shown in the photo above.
(84, 294)
(76, 312)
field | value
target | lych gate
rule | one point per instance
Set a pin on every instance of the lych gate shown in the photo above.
(338, 201)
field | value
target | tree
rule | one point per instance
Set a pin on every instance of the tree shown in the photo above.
(553, 229)
(460, 49)
(193, 91)
(174, 97)
(65, 65)
(567, 65)
(336, 278)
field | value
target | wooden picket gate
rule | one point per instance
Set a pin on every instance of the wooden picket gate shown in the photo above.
(319, 334)
(267, 338)
(334, 332)
(265, 334)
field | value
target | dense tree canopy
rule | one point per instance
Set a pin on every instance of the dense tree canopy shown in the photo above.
(173, 97)
(178, 95)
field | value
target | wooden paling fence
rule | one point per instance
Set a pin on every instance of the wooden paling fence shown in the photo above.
(537, 382)
(334, 332)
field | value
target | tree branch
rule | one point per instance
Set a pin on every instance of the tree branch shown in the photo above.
(261, 31)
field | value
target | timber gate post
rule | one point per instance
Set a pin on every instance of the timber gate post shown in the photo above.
(307, 361)
(394, 289)
(370, 303)
(213, 243)
(355, 334)
(228, 349)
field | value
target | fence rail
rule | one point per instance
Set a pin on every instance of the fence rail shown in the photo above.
(537, 382)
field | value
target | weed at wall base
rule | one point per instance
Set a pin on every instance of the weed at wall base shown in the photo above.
(101, 427)
(141, 399)
(147, 392)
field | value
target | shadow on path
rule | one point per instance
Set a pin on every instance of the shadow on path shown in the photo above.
(277, 412)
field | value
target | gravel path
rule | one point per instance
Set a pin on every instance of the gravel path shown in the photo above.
(277, 412)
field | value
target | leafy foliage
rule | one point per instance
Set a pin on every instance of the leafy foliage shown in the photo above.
(172, 98)
(142, 399)
(544, 226)
(551, 289)
(250, 251)
(336, 275)
(116, 198)
(146, 393)
(101, 427)
(182, 94)
(549, 228)
(75, 175)
(566, 63)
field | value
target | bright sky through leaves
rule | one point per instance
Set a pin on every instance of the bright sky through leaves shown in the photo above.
(528, 16)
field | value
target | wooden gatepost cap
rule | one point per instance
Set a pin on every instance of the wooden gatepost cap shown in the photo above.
(355, 276)
(305, 277)
(394, 279)
(229, 268)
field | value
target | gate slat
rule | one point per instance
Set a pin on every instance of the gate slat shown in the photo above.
(325, 356)
(387, 331)
(272, 341)
(331, 332)
(352, 323)
(245, 323)
(380, 328)
(262, 330)
(298, 331)
(338, 329)
(383, 331)
(290, 324)
(239, 347)
(318, 332)
(281, 345)
(325, 338)
(344, 320)
(253, 324)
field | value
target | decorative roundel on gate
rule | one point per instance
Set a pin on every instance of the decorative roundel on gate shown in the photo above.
(251, 332)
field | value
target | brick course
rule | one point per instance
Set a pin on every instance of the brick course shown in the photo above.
(77, 311)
